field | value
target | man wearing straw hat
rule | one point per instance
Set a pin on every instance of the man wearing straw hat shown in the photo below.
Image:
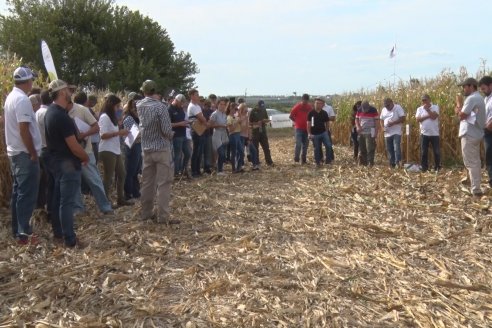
(23, 141)
(472, 124)
(65, 160)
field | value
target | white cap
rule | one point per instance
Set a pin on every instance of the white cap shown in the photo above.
(23, 73)
(181, 98)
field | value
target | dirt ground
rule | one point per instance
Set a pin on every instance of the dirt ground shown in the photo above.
(288, 246)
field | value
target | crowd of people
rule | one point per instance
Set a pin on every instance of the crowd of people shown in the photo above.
(475, 124)
(56, 143)
(55, 140)
(474, 114)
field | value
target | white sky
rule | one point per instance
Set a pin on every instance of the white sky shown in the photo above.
(321, 47)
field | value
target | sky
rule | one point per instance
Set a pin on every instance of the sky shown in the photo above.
(270, 47)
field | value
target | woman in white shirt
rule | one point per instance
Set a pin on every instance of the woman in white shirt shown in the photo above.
(110, 150)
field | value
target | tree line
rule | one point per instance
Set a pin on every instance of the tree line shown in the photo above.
(97, 43)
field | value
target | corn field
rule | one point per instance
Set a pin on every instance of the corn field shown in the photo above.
(7, 66)
(442, 90)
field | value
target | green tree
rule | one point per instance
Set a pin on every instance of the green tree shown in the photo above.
(96, 41)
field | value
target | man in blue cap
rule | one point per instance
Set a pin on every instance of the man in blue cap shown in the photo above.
(258, 119)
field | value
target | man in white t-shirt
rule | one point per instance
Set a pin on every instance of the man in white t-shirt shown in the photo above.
(485, 85)
(46, 180)
(392, 118)
(90, 172)
(23, 141)
(195, 114)
(428, 117)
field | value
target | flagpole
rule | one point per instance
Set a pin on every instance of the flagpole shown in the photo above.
(394, 65)
(394, 70)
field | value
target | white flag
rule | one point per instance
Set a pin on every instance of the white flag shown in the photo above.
(393, 51)
(48, 61)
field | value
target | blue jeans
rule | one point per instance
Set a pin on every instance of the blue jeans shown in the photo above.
(91, 176)
(487, 138)
(393, 146)
(196, 156)
(207, 152)
(240, 152)
(302, 141)
(50, 181)
(25, 176)
(330, 152)
(355, 141)
(253, 152)
(95, 150)
(221, 157)
(133, 165)
(319, 139)
(235, 142)
(424, 152)
(67, 184)
(182, 154)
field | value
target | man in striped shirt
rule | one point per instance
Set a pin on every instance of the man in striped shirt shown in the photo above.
(366, 122)
(158, 168)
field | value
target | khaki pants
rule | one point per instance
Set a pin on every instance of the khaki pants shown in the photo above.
(470, 148)
(113, 164)
(157, 175)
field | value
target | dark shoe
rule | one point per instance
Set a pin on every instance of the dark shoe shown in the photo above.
(108, 213)
(124, 203)
(478, 194)
(58, 240)
(207, 171)
(78, 244)
(152, 217)
(168, 221)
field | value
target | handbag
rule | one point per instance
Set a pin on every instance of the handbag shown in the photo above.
(198, 127)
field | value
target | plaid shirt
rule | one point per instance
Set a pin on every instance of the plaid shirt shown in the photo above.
(155, 125)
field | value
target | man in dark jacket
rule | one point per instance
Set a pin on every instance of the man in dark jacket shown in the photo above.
(258, 119)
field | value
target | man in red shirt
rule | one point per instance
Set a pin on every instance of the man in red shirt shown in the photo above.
(298, 115)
